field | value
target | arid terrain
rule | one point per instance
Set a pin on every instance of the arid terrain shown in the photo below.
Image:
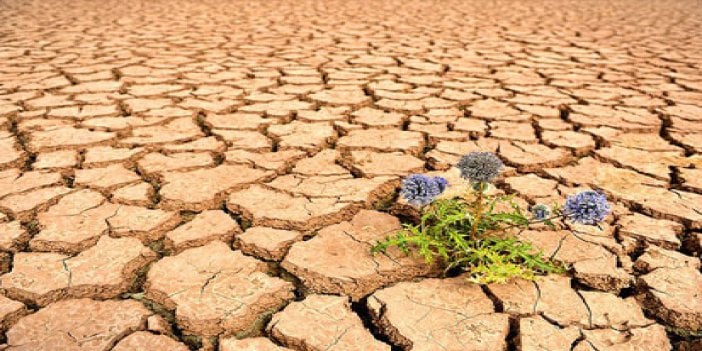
(211, 175)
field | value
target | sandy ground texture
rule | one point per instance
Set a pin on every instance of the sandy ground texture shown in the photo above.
(186, 175)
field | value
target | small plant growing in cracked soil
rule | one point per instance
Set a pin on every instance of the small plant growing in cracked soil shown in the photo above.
(472, 233)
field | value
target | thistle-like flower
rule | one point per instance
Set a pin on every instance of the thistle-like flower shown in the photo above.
(480, 166)
(420, 190)
(587, 207)
(541, 212)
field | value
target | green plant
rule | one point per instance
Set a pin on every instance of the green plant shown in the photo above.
(443, 234)
(473, 233)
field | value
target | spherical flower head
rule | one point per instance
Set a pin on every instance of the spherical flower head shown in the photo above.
(587, 207)
(541, 212)
(420, 190)
(480, 166)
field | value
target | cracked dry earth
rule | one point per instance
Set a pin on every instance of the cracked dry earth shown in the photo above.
(185, 175)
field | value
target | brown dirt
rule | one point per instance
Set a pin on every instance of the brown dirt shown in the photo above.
(222, 162)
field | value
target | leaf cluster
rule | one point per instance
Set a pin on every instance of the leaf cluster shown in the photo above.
(443, 235)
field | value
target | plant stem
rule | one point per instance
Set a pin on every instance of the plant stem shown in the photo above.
(478, 210)
(532, 222)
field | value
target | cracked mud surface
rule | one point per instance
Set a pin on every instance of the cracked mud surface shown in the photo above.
(186, 175)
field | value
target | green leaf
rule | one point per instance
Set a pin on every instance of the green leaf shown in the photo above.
(443, 235)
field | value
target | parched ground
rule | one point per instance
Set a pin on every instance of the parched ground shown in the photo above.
(184, 175)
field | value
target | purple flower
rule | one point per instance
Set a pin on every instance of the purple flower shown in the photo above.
(480, 167)
(420, 190)
(541, 212)
(587, 207)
